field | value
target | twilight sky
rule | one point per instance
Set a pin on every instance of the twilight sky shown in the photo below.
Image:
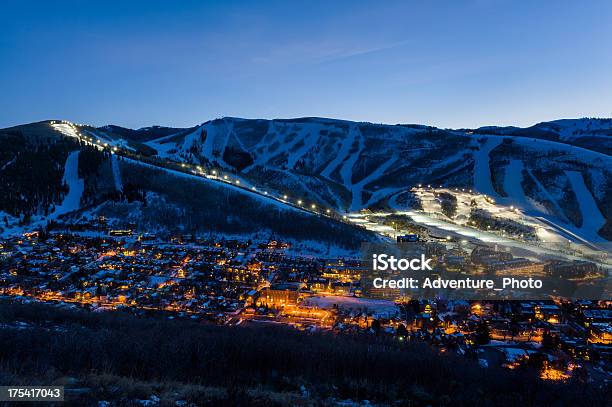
(179, 63)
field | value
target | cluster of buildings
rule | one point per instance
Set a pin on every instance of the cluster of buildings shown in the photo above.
(242, 282)
(202, 278)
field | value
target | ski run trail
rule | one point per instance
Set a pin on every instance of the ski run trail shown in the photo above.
(76, 186)
(482, 170)
(116, 173)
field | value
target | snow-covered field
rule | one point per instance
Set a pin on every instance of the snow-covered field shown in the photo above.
(355, 305)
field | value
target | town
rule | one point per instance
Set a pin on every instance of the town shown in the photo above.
(234, 282)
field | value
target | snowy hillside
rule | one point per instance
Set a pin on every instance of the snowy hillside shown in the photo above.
(64, 174)
(353, 165)
(559, 171)
(591, 133)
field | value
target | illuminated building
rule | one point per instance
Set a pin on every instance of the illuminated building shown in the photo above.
(600, 334)
(280, 295)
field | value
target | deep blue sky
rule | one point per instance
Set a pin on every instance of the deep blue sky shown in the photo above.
(179, 63)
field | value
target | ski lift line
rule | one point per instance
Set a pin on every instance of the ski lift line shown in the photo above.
(189, 169)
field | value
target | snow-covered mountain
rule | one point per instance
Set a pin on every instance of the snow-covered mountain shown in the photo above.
(65, 175)
(560, 169)
(593, 134)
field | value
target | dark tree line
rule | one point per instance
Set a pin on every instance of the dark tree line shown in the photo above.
(31, 174)
(206, 207)
(448, 202)
(375, 368)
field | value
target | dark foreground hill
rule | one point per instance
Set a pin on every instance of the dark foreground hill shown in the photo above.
(121, 358)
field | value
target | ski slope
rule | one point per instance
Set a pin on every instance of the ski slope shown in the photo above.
(116, 173)
(512, 185)
(357, 188)
(309, 136)
(211, 134)
(162, 145)
(482, 170)
(592, 219)
(343, 153)
(76, 185)
(346, 172)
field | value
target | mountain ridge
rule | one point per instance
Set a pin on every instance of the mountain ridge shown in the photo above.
(351, 166)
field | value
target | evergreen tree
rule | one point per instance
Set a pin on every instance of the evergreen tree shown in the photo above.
(401, 330)
(375, 326)
(482, 334)
(548, 340)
